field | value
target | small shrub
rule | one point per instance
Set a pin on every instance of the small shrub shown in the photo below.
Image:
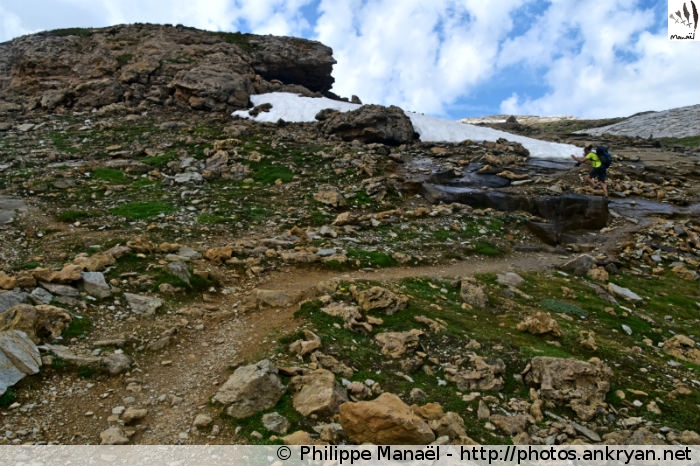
(7, 398)
(80, 32)
(561, 307)
(124, 58)
(70, 216)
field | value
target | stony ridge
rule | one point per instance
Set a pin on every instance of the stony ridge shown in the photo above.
(674, 123)
(83, 69)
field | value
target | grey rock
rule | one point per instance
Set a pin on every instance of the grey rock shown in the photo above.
(40, 296)
(60, 290)
(113, 436)
(624, 293)
(180, 270)
(9, 207)
(10, 299)
(95, 285)
(143, 304)
(275, 422)
(188, 178)
(116, 363)
(510, 279)
(579, 265)
(19, 357)
(189, 253)
(251, 389)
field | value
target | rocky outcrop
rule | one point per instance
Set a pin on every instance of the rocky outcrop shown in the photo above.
(671, 123)
(565, 213)
(385, 420)
(164, 65)
(683, 347)
(369, 124)
(580, 385)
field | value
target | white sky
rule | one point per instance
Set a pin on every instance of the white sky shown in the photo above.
(450, 58)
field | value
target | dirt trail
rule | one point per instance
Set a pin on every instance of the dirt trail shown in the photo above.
(201, 360)
(303, 279)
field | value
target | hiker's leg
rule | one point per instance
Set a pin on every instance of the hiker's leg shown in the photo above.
(590, 180)
(602, 178)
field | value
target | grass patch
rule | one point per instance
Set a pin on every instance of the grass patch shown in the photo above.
(79, 327)
(269, 174)
(143, 210)
(110, 175)
(213, 219)
(71, 216)
(237, 38)
(692, 141)
(159, 161)
(370, 259)
(487, 248)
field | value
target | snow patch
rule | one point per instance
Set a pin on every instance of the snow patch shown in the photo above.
(295, 108)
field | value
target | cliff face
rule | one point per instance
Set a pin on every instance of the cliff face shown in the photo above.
(83, 69)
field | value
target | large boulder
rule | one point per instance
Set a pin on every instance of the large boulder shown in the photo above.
(40, 323)
(378, 298)
(682, 347)
(251, 389)
(317, 392)
(580, 385)
(370, 124)
(565, 213)
(386, 420)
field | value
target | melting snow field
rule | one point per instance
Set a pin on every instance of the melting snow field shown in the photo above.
(296, 108)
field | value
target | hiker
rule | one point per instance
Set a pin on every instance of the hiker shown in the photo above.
(598, 173)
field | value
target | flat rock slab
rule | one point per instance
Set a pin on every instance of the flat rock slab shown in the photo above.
(9, 207)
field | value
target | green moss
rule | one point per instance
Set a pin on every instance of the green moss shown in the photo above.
(487, 248)
(159, 161)
(371, 259)
(110, 175)
(237, 38)
(143, 210)
(269, 174)
(70, 216)
(555, 305)
(79, 327)
(124, 58)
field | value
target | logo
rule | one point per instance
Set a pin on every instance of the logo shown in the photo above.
(683, 20)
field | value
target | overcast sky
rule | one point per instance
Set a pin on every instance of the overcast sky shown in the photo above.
(447, 58)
